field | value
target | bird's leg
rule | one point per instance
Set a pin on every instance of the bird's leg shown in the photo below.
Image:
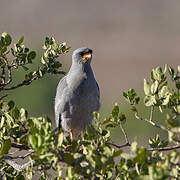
(71, 135)
(82, 146)
(71, 138)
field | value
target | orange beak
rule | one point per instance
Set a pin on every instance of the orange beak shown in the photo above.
(87, 56)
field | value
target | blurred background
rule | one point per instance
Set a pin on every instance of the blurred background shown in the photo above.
(129, 38)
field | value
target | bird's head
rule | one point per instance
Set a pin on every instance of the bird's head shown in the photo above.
(82, 55)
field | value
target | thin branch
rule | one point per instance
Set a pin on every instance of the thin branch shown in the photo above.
(149, 149)
(151, 114)
(20, 146)
(126, 138)
(152, 123)
(125, 134)
(20, 84)
(3, 96)
(120, 146)
(165, 148)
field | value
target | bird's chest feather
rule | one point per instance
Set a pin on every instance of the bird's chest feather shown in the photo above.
(83, 95)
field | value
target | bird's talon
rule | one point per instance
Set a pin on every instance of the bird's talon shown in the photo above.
(71, 135)
(67, 147)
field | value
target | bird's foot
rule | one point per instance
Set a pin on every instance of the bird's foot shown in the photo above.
(71, 135)
(67, 147)
(81, 149)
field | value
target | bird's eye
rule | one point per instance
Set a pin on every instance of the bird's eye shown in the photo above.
(81, 53)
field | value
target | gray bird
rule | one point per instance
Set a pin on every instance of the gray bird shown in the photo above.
(77, 94)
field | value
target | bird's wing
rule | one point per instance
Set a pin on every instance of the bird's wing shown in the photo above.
(98, 89)
(60, 100)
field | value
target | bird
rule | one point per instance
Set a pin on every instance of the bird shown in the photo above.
(77, 95)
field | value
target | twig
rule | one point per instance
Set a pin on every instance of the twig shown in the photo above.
(120, 146)
(3, 96)
(151, 114)
(20, 84)
(150, 149)
(125, 134)
(165, 148)
(152, 123)
(20, 146)
(126, 138)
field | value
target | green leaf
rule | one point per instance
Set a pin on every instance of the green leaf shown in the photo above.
(68, 158)
(5, 146)
(122, 117)
(60, 139)
(106, 121)
(2, 121)
(146, 87)
(56, 64)
(42, 60)
(15, 113)
(154, 87)
(33, 141)
(125, 95)
(11, 104)
(3, 50)
(21, 40)
(134, 146)
(96, 115)
(2, 62)
(150, 100)
(163, 92)
(166, 100)
(117, 153)
(115, 111)
(171, 71)
(6, 39)
(105, 133)
(178, 109)
(31, 56)
(179, 69)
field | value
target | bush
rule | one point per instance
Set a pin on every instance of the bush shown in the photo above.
(94, 156)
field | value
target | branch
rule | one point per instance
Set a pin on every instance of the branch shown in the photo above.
(3, 96)
(20, 84)
(151, 114)
(150, 149)
(126, 138)
(165, 148)
(152, 123)
(120, 146)
(20, 146)
(125, 134)
(24, 156)
(17, 166)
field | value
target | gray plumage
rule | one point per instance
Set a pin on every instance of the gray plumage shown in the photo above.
(77, 95)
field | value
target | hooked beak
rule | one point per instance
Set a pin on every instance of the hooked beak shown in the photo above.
(87, 56)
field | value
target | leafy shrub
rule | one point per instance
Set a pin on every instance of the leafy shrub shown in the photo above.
(94, 156)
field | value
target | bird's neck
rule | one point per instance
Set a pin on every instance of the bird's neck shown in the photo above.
(81, 69)
(80, 73)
